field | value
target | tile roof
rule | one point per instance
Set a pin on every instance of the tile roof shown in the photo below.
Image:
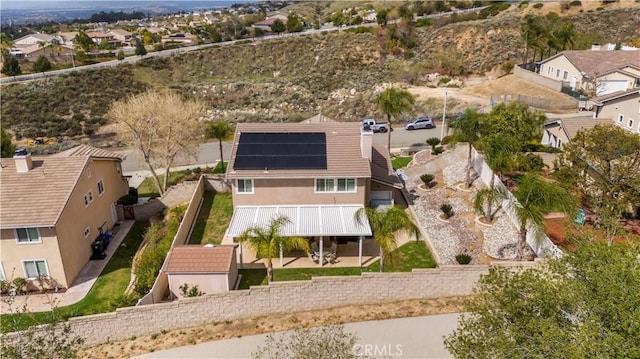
(614, 95)
(84, 151)
(571, 126)
(200, 259)
(344, 158)
(598, 62)
(381, 168)
(37, 198)
(307, 220)
(319, 118)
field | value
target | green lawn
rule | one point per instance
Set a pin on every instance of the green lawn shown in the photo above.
(400, 162)
(105, 295)
(148, 189)
(213, 219)
(413, 255)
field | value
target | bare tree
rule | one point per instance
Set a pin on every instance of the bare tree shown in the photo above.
(162, 125)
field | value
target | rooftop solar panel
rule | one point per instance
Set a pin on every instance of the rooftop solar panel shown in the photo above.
(280, 151)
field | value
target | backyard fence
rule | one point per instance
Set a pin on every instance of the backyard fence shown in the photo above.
(537, 102)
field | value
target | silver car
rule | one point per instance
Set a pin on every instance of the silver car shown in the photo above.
(420, 122)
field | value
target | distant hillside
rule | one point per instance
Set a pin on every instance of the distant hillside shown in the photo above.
(292, 78)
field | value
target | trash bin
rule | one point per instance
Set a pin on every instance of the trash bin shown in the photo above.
(106, 239)
(97, 248)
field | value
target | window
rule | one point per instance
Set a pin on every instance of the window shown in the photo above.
(558, 73)
(620, 118)
(559, 143)
(28, 235)
(335, 185)
(244, 186)
(541, 69)
(100, 187)
(88, 198)
(550, 70)
(565, 75)
(35, 268)
(630, 123)
(2, 276)
(87, 232)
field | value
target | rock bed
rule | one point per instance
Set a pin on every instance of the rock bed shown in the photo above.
(456, 237)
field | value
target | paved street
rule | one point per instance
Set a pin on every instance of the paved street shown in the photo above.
(417, 337)
(210, 151)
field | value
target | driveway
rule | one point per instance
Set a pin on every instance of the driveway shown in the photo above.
(416, 337)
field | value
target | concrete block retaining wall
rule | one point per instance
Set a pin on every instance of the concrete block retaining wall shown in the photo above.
(280, 298)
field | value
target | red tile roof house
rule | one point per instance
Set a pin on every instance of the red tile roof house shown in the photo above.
(316, 174)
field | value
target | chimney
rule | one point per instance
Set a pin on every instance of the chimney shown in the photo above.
(595, 47)
(23, 160)
(366, 141)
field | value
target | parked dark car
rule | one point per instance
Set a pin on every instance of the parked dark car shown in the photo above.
(420, 122)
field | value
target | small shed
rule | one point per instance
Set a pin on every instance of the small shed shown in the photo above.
(213, 269)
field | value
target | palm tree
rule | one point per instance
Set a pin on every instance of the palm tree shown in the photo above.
(466, 129)
(385, 223)
(394, 102)
(533, 198)
(486, 198)
(268, 243)
(221, 130)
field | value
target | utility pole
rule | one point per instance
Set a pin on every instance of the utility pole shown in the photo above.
(444, 111)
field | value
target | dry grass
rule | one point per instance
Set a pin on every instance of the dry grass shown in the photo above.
(272, 323)
(511, 84)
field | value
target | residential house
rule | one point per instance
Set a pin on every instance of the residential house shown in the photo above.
(99, 37)
(621, 108)
(213, 269)
(180, 38)
(53, 207)
(318, 175)
(124, 37)
(33, 39)
(560, 131)
(600, 72)
(266, 23)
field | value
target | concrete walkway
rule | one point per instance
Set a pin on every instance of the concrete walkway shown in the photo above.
(415, 337)
(81, 285)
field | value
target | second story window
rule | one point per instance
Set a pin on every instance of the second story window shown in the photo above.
(28, 235)
(88, 198)
(100, 187)
(335, 185)
(244, 186)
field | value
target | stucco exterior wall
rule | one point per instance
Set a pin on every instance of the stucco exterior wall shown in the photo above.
(558, 132)
(13, 254)
(75, 248)
(627, 107)
(207, 283)
(296, 192)
(549, 69)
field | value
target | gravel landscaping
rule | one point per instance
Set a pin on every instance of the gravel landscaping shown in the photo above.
(461, 234)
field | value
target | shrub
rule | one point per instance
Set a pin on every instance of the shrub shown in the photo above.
(538, 5)
(507, 67)
(20, 285)
(463, 259)
(433, 142)
(575, 3)
(523, 4)
(438, 150)
(427, 178)
(447, 210)
(444, 80)
(190, 291)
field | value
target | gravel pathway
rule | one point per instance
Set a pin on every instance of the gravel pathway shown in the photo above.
(461, 233)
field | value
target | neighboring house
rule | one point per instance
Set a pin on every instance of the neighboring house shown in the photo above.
(622, 107)
(266, 23)
(179, 38)
(99, 37)
(213, 269)
(600, 72)
(53, 207)
(33, 39)
(560, 131)
(316, 174)
(123, 37)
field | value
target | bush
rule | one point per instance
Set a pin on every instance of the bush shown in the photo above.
(575, 3)
(438, 150)
(427, 178)
(20, 285)
(447, 210)
(538, 5)
(433, 142)
(463, 259)
(507, 67)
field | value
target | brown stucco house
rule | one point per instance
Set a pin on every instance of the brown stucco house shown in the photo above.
(560, 131)
(53, 207)
(318, 175)
(621, 108)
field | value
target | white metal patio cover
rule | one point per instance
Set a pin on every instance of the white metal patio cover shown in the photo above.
(305, 221)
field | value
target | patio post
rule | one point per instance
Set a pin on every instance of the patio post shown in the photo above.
(360, 251)
(240, 253)
(321, 245)
(281, 259)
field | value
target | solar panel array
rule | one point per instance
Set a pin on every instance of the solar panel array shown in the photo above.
(281, 151)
